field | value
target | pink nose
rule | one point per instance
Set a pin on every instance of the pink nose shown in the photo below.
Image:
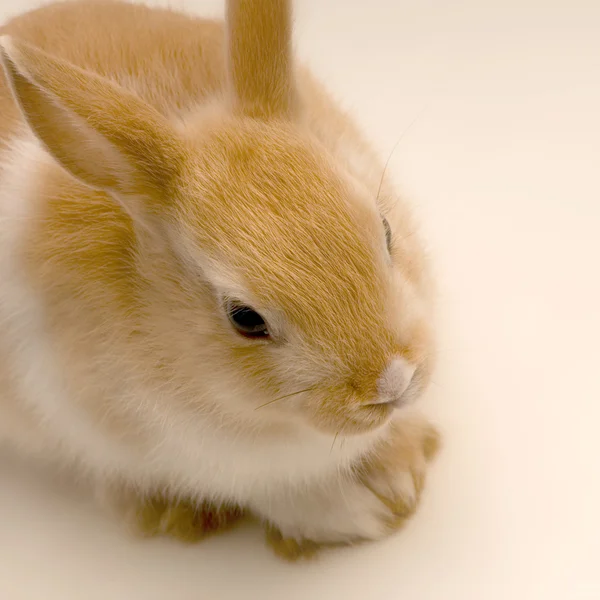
(394, 381)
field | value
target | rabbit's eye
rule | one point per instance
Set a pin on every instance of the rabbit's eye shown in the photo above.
(388, 234)
(245, 320)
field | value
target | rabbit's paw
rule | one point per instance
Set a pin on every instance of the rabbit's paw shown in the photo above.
(379, 500)
(158, 515)
(183, 520)
(396, 472)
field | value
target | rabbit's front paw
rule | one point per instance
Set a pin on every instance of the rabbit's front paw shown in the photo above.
(396, 471)
(382, 496)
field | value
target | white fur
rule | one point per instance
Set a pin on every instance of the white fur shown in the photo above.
(33, 366)
(395, 380)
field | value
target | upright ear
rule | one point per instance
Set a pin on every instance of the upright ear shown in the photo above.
(259, 52)
(101, 133)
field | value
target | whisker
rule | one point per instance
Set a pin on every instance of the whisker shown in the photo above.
(338, 433)
(334, 440)
(308, 389)
(402, 136)
(408, 235)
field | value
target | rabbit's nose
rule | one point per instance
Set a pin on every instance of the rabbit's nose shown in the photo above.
(394, 381)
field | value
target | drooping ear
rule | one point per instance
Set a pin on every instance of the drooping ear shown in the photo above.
(259, 53)
(104, 135)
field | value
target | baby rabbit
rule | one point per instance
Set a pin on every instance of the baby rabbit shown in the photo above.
(206, 292)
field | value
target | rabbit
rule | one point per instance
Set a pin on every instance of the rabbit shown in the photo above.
(209, 292)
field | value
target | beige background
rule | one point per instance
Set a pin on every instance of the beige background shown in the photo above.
(503, 163)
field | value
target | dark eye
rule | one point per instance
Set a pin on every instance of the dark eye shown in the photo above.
(388, 234)
(245, 320)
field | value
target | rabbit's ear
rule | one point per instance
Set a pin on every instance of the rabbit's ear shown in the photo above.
(259, 53)
(102, 134)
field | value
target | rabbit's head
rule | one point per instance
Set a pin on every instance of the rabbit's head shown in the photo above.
(270, 278)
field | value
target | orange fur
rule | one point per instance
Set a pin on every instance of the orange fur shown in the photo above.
(261, 74)
(195, 164)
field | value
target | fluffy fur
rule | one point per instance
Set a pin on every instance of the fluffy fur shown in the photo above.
(151, 165)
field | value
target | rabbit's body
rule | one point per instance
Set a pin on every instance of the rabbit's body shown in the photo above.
(97, 364)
